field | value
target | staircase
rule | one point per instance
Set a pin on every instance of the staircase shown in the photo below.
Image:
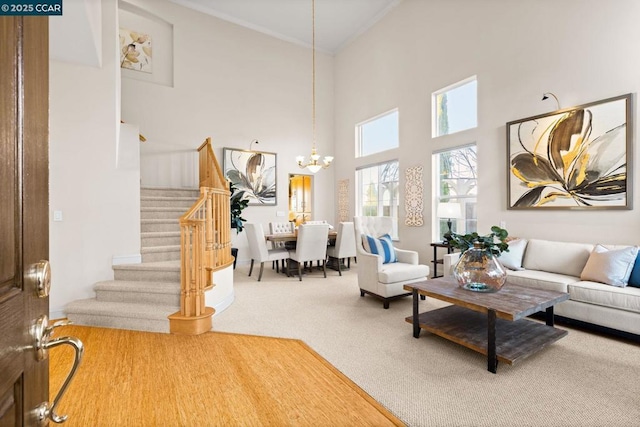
(141, 296)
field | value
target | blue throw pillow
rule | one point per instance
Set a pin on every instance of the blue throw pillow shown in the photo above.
(634, 279)
(382, 246)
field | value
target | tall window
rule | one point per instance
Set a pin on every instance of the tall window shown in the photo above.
(377, 193)
(457, 186)
(377, 134)
(455, 108)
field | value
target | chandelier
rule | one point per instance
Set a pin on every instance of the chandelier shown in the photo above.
(314, 164)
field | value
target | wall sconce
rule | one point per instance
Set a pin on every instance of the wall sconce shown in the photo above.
(546, 96)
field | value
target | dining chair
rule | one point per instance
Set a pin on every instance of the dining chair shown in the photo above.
(311, 245)
(258, 248)
(316, 222)
(281, 228)
(345, 246)
(324, 221)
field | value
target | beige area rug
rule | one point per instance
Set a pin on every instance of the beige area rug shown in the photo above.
(584, 379)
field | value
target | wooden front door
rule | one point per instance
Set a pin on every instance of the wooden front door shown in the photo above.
(24, 205)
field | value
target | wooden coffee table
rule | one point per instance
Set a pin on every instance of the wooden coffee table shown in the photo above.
(494, 324)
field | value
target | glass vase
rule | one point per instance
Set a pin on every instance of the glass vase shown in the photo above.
(479, 270)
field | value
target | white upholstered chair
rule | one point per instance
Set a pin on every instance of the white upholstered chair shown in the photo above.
(259, 250)
(281, 228)
(316, 222)
(324, 221)
(345, 245)
(311, 245)
(384, 281)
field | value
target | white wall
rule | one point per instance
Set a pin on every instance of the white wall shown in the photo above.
(235, 85)
(99, 201)
(582, 50)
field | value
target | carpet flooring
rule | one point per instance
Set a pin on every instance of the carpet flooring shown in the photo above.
(585, 379)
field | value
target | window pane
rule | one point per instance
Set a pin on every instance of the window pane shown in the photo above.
(378, 135)
(456, 176)
(456, 108)
(378, 192)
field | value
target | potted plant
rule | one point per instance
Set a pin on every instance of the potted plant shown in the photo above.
(478, 269)
(237, 203)
(488, 241)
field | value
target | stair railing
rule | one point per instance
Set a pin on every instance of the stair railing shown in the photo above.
(205, 245)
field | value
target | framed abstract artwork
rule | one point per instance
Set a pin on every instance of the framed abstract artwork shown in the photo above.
(253, 172)
(576, 158)
(135, 51)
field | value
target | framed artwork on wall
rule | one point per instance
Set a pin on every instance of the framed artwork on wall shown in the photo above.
(253, 172)
(135, 51)
(576, 158)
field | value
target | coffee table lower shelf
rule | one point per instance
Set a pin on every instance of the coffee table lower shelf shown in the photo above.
(514, 340)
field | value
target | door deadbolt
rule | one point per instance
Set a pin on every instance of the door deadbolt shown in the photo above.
(39, 275)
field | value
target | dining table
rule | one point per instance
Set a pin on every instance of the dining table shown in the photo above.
(293, 237)
(290, 240)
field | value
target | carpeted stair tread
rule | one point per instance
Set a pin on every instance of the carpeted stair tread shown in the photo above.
(159, 221)
(151, 266)
(120, 309)
(160, 234)
(169, 192)
(168, 199)
(159, 238)
(156, 271)
(138, 286)
(166, 248)
(162, 208)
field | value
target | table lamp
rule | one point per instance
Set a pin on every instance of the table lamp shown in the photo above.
(449, 210)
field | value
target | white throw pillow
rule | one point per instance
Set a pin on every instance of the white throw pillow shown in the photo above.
(612, 267)
(513, 258)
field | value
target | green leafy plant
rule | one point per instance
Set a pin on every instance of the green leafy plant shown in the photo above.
(237, 203)
(494, 242)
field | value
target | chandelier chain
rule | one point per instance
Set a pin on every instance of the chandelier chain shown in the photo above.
(313, 71)
(314, 164)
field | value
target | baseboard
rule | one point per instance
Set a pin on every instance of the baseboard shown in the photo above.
(126, 259)
(60, 314)
(225, 303)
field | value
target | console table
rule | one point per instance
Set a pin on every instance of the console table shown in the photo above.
(437, 260)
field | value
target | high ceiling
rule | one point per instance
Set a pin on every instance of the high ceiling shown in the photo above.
(337, 21)
(76, 36)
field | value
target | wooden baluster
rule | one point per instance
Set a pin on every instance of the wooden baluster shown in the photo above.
(209, 220)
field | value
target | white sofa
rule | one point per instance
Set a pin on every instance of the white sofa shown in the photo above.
(558, 266)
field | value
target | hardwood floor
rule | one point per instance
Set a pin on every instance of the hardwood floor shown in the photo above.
(130, 378)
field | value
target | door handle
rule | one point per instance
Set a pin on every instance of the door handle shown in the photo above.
(42, 343)
(39, 274)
